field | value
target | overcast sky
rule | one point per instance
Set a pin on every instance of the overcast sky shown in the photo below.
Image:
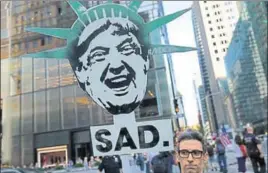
(185, 64)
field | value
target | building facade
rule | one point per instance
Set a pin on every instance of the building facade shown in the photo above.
(214, 22)
(247, 78)
(46, 116)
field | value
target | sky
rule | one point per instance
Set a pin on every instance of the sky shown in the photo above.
(185, 64)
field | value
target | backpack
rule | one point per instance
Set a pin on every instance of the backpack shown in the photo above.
(210, 151)
(160, 164)
(253, 151)
(220, 149)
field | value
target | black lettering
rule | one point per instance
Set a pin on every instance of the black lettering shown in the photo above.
(153, 130)
(130, 143)
(107, 142)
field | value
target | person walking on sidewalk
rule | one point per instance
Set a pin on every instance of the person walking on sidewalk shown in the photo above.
(254, 151)
(241, 154)
(210, 150)
(220, 150)
(111, 164)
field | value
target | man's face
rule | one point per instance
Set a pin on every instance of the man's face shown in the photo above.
(194, 163)
(114, 71)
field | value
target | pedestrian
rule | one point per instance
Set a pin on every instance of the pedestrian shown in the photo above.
(211, 156)
(220, 150)
(255, 152)
(140, 162)
(241, 154)
(175, 166)
(162, 163)
(111, 164)
(192, 152)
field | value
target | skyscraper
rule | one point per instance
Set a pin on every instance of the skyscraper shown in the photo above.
(45, 113)
(246, 72)
(214, 22)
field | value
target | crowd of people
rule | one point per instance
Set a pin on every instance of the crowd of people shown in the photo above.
(194, 154)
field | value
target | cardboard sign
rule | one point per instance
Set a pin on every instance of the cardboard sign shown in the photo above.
(108, 48)
(128, 136)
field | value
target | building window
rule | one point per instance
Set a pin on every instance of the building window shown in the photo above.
(218, 59)
(222, 27)
(216, 51)
(26, 45)
(221, 42)
(223, 34)
(223, 50)
(219, 27)
(212, 36)
(205, 1)
(209, 21)
(211, 29)
(207, 15)
(42, 42)
(214, 43)
(219, 12)
(49, 40)
(220, 19)
(225, 41)
(217, 5)
(220, 35)
(59, 11)
(213, 6)
(217, 20)
(206, 8)
(35, 43)
(215, 13)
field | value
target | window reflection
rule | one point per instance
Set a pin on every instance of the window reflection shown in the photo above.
(39, 74)
(82, 103)
(40, 111)
(53, 112)
(53, 78)
(13, 104)
(68, 107)
(15, 76)
(27, 149)
(66, 73)
(26, 113)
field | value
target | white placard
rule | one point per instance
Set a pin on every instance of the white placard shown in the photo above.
(128, 136)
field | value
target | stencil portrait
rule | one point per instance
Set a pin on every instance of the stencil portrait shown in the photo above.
(111, 62)
(107, 47)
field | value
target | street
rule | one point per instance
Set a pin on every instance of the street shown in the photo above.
(232, 163)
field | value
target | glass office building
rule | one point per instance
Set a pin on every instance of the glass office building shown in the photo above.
(246, 72)
(46, 116)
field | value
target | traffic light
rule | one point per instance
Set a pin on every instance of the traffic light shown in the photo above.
(176, 106)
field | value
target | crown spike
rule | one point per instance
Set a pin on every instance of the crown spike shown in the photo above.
(78, 8)
(59, 53)
(63, 33)
(156, 49)
(135, 5)
(149, 27)
(109, 1)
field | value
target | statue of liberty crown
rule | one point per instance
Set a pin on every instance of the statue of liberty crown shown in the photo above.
(106, 10)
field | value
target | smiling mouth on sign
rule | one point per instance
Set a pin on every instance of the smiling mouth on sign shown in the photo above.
(119, 84)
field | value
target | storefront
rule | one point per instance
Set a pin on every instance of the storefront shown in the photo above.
(52, 156)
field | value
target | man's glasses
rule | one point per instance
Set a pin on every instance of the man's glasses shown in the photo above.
(197, 154)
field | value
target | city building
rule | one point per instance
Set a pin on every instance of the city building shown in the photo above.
(203, 108)
(45, 114)
(228, 104)
(214, 22)
(245, 69)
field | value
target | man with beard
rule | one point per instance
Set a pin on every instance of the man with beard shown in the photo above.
(111, 64)
(192, 152)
